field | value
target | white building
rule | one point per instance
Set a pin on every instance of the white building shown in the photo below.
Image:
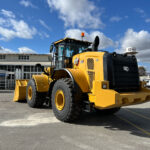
(20, 66)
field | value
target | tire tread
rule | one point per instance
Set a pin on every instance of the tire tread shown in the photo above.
(75, 108)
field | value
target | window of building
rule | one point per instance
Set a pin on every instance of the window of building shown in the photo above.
(11, 68)
(23, 57)
(3, 67)
(27, 76)
(26, 68)
(2, 56)
(32, 68)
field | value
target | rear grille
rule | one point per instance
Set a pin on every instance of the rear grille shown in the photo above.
(122, 73)
(90, 63)
(91, 75)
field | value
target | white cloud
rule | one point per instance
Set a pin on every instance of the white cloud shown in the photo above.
(80, 13)
(44, 25)
(5, 50)
(2, 21)
(140, 40)
(19, 29)
(76, 33)
(21, 50)
(26, 50)
(147, 20)
(7, 13)
(27, 3)
(12, 28)
(43, 35)
(105, 42)
(115, 19)
(141, 12)
(22, 29)
(6, 34)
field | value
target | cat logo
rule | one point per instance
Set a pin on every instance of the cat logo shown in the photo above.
(126, 68)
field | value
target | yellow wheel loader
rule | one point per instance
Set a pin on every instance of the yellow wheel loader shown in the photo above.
(84, 79)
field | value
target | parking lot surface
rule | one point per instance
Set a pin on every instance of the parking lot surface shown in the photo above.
(24, 128)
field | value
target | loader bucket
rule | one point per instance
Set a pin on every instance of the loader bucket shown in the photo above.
(20, 90)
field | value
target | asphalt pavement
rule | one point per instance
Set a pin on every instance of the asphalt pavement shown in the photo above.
(25, 128)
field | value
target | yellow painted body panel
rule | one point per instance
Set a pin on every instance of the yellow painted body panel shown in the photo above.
(42, 85)
(98, 65)
(80, 78)
(107, 98)
(104, 98)
(42, 82)
(20, 90)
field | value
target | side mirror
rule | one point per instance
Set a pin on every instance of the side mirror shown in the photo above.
(51, 48)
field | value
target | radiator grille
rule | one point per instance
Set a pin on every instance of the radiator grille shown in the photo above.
(90, 63)
(123, 79)
(91, 75)
(120, 79)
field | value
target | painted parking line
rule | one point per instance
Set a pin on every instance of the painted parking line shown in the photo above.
(134, 125)
(137, 114)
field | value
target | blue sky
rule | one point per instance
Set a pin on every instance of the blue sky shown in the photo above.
(31, 25)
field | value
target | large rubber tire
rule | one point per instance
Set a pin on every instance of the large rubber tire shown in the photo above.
(72, 107)
(37, 99)
(107, 111)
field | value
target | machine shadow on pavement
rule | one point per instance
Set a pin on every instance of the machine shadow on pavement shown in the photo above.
(134, 120)
(122, 120)
(44, 106)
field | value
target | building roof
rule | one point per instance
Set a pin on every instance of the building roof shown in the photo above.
(26, 63)
(25, 54)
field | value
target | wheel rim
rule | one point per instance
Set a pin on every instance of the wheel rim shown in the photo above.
(59, 100)
(29, 93)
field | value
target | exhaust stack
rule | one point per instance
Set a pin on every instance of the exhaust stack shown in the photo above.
(95, 44)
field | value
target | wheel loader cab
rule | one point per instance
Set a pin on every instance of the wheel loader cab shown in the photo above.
(63, 51)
